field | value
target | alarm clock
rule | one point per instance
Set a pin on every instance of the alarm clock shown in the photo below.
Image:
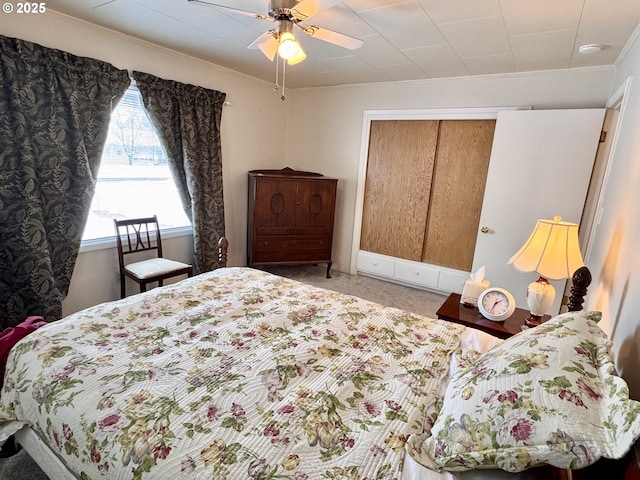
(496, 304)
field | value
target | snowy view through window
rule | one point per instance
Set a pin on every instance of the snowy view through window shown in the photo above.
(134, 179)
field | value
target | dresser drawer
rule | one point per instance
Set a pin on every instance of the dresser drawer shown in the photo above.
(416, 273)
(452, 280)
(282, 248)
(314, 231)
(261, 231)
(375, 264)
(268, 231)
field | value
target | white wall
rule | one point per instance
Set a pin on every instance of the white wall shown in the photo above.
(325, 125)
(249, 127)
(615, 256)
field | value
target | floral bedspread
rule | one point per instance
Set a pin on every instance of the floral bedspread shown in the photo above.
(232, 374)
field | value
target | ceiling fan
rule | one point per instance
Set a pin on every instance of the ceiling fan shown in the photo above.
(289, 14)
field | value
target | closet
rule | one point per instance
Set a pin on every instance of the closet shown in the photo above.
(441, 197)
(424, 187)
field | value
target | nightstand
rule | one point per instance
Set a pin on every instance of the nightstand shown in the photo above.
(454, 311)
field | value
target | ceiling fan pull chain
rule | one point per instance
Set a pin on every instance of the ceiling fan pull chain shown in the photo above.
(284, 72)
(276, 87)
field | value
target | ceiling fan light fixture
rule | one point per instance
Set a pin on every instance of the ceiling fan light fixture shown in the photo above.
(298, 57)
(288, 46)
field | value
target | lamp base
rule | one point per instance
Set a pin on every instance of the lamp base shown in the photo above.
(540, 296)
(533, 320)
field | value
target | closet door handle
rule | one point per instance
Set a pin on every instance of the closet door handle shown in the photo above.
(484, 229)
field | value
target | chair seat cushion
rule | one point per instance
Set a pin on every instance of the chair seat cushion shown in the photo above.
(153, 267)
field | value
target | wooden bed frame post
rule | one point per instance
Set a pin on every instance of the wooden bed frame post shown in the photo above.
(223, 248)
(581, 280)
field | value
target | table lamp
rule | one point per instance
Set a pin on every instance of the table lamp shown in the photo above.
(553, 251)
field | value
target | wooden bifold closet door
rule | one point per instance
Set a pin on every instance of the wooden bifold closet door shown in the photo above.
(424, 189)
(398, 187)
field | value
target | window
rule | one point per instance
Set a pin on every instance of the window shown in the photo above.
(134, 179)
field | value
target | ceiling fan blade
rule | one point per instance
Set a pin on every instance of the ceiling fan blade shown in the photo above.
(332, 37)
(308, 8)
(267, 44)
(233, 10)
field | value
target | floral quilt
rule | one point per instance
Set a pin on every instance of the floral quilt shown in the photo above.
(232, 374)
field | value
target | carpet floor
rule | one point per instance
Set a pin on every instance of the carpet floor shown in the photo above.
(22, 467)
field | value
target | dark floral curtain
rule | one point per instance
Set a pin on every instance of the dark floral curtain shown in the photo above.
(54, 117)
(187, 119)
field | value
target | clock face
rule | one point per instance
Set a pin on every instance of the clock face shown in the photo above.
(496, 304)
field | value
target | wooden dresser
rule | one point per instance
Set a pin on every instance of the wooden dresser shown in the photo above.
(290, 217)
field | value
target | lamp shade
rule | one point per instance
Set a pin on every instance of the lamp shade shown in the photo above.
(552, 250)
(268, 46)
(298, 57)
(288, 45)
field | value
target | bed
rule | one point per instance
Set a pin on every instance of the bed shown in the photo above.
(238, 373)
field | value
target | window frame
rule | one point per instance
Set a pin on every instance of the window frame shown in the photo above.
(109, 241)
(105, 243)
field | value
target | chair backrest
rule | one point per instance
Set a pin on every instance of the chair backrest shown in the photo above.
(137, 235)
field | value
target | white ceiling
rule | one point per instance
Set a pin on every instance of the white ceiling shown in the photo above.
(403, 39)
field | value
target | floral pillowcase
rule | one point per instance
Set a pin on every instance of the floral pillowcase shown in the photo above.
(548, 395)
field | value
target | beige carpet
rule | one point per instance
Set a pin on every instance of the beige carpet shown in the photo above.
(390, 294)
(22, 467)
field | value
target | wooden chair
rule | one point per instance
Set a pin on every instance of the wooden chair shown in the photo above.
(139, 235)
